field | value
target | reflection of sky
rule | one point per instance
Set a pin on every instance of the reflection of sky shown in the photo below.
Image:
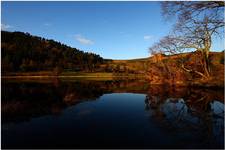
(218, 120)
(217, 108)
(176, 111)
(180, 116)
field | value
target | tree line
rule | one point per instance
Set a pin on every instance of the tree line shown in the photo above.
(23, 52)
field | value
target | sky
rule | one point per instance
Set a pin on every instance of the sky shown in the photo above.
(114, 30)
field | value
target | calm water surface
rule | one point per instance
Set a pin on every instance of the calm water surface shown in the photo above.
(109, 114)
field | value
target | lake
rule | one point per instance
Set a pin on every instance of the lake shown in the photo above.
(71, 113)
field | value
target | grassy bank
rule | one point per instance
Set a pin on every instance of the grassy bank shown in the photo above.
(80, 75)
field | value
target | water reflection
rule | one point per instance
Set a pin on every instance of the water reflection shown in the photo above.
(178, 117)
(27, 99)
(189, 112)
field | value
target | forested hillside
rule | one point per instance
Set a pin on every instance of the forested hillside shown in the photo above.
(22, 52)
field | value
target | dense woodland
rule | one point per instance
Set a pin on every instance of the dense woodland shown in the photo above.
(23, 52)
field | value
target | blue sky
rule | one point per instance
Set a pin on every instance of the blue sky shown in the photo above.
(116, 30)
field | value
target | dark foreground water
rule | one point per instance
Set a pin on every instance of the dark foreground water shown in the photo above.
(109, 114)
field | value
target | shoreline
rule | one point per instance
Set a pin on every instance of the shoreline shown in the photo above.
(46, 74)
(111, 76)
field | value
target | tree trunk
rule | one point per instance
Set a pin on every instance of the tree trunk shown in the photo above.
(206, 65)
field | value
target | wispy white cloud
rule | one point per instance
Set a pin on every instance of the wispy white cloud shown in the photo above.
(47, 24)
(83, 40)
(147, 37)
(5, 26)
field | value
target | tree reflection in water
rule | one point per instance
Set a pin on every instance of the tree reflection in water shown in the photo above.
(188, 112)
(35, 98)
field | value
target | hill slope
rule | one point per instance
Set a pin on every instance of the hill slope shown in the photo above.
(186, 69)
(22, 52)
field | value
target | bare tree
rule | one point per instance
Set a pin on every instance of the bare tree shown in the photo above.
(172, 45)
(186, 10)
(197, 23)
(168, 45)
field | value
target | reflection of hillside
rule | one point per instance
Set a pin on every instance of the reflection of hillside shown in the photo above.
(126, 86)
(21, 101)
(24, 100)
(189, 112)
